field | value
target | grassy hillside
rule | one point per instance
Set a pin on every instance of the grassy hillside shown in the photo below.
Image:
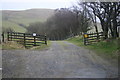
(16, 27)
(18, 20)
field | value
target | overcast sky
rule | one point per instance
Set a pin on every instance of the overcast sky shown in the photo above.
(28, 4)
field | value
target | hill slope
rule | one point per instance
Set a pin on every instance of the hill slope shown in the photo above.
(18, 20)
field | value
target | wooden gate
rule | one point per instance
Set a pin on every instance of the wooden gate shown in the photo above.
(28, 40)
(90, 38)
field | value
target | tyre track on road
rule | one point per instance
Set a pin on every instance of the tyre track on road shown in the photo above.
(61, 60)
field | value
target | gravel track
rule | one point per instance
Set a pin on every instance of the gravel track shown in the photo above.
(61, 60)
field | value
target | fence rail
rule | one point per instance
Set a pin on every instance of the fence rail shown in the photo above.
(90, 38)
(27, 39)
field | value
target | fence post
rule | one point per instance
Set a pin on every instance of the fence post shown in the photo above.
(84, 41)
(24, 40)
(45, 39)
(8, 36)
(34, 40)
(85, 35)
(98, 36)
(11, 35)
(3, 37)
(14, 35)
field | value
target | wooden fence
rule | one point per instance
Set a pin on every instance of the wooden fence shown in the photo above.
(27, 40)
(90, 38)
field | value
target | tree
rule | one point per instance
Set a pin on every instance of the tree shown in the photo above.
(63, 24)
(83, 21)
(108, 13)
(37, 27)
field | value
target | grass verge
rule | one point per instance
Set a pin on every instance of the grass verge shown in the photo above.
(76, 40)
(12, 45)
(108, 50)
(42, 46)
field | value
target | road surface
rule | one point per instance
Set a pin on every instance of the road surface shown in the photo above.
(61, 60)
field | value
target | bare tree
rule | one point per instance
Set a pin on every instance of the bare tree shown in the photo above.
(108, 13)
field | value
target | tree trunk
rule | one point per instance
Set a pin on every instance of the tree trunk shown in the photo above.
(110, 26)
(115, 28)
(95, 24)
(104, 28)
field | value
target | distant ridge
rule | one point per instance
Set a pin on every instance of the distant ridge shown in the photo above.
(19, 19)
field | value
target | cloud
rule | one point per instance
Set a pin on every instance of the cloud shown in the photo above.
(38, 1)
(25, 4)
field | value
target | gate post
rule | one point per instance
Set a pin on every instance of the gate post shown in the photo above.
(34, 40)
(3, 40)
(34, 36)
(85, 35)
(24, 40)
(45, 39)
(8, 36)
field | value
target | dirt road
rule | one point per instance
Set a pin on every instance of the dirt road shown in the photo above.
(61, 60)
